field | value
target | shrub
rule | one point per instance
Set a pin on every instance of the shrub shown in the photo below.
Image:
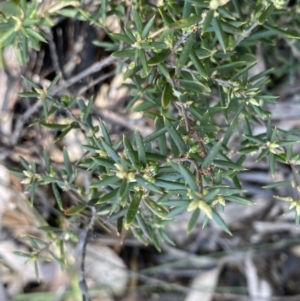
(188, 67)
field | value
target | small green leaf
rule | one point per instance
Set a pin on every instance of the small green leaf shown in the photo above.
(175, 136)
(208, 20)
(229, 165)
(36, 268)
(129, 150)
(217, 218)
(133, 208)
(137, 20)
(148, 185)
(64, 133)
(87, 109)
(23, 254)
(278, 184)
(287, 33)
(164, 70)
(219, 32)
(166, 96)
(147, 27)
(194, 85)
(243, 71)
(28, 94)
(213, 153)
(265, 15)
(121, 37)
(24, 163)
(143, 58)
(272, 163)
(104, 132)
(5, 36)
(170, 185)
(123, 189)
(166, 237)
(188, 176)
(238, 199)
(157, 209)
(155, 135)
(59, 260)
(31, 83)
(177, 210)
(165, 16)
(110, 151)
(191, 40)
(104, 162)
(193, 220)
(263, 153)
(124, 53)
(159, 57)
(140, 147)
(75, 209)
(54, 82)
(142, 224)
(129, 35)
(50, 229)
(17, 172)
(36, 35)
(185, 22)
(109, 180)
(255, 139)
(198, 65)
(57, 196)
(154, 239)
(54, 126)
(162, 143)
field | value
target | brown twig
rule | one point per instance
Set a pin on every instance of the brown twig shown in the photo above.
(82, 248)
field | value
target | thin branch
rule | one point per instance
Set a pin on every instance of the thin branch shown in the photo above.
(95, 82)
(82, 247)
(245, 34)
(53, 53)
(184, 37)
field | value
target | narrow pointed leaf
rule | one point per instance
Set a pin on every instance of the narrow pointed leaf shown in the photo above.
(166, 96)
(157, 209)
(140, 147)
(218, 219)
(175, 136)
(137, 20)
(75, 209)
(212, 154)
(67, 163)
(129, 150)
(219, 32)
(110, 151)
(133, 208)
(193, 220)
(57, 197)
(148, 185)
(186, 50)
(147, 27)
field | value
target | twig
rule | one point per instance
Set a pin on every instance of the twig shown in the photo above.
(53, 53)
(95, 82)
(246, 34)
(186, 35)
(82, 247)
(85, 73)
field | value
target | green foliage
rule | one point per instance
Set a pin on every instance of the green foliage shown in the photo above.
(189, 68)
